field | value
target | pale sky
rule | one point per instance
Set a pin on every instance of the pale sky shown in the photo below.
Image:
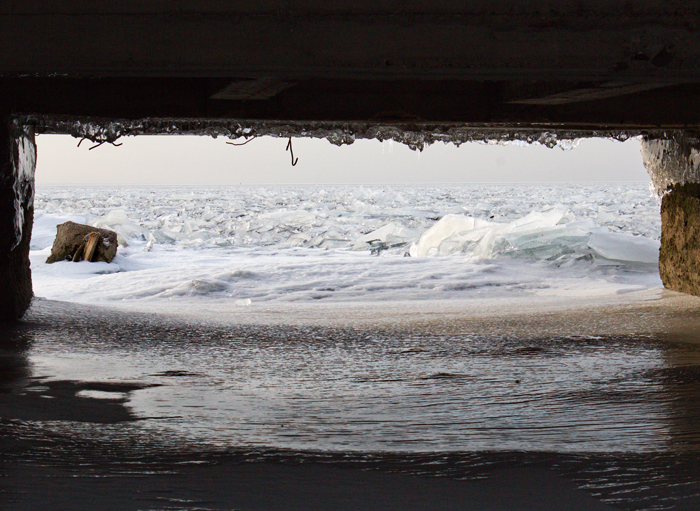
(194, 160)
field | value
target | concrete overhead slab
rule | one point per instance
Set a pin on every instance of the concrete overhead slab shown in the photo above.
(564, 62)
(593, 40)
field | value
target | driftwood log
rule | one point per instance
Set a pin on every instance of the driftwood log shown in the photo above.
(78, 242)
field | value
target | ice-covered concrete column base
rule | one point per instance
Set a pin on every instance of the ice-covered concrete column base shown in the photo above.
(17, 164)
(674, 167)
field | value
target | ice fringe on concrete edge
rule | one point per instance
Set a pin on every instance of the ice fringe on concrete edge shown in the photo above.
(415, 135)
(669, 162)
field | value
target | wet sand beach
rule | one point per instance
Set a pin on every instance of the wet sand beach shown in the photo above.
(536, 408)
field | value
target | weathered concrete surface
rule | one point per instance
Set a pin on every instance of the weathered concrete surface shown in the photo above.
(674, 167)
(481, 39)
(679, 256)
(560, 63)
(17, 164)
(70, 238)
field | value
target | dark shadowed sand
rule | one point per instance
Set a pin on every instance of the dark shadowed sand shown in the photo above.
(70, 439)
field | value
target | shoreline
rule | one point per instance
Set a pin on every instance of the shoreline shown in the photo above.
(658, 312)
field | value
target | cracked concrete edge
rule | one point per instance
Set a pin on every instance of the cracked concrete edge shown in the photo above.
(416, 135)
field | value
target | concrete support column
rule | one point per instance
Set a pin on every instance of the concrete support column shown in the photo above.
(674, 167)
(17, 165)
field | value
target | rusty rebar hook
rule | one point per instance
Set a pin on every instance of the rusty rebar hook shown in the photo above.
(289, 148)
(98, 144)
(243, 143)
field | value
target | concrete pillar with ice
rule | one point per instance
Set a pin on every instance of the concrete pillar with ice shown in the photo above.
(17, 164)
(674, 167)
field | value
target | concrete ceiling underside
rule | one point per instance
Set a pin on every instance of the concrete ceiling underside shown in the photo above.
(587, 66)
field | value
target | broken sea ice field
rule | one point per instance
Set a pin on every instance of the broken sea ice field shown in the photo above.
(246, 246)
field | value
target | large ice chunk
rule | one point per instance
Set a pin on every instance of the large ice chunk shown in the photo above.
(483, 239)
(118, 221)
(389, 234)
(625, 247)
(451, 233)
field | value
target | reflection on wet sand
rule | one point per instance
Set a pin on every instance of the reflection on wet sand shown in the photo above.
(15, 342)
(561, 421)
(681, 381)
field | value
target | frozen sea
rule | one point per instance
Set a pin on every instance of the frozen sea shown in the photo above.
(432, 330)
(230, 247)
